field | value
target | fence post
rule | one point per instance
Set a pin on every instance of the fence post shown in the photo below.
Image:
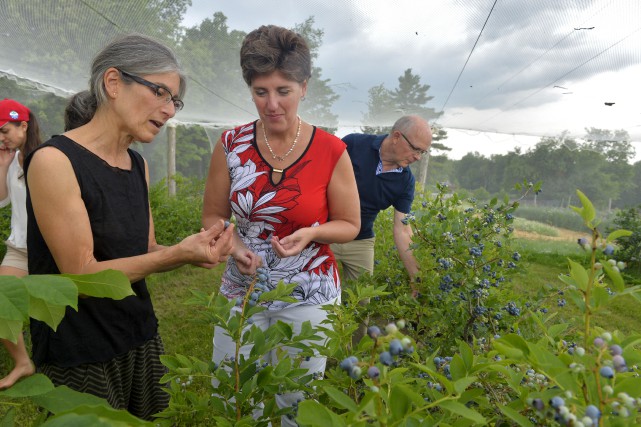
(171, 158)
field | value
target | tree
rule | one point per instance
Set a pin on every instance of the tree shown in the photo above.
(380, 111)
(410, 97)
(615, 146)
(55, 43)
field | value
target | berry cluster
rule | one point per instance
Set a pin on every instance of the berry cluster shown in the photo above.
(393, 344)
(260, 285)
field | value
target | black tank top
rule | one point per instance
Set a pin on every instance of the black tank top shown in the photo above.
(118, 206)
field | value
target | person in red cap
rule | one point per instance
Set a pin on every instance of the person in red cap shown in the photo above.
(19, 135)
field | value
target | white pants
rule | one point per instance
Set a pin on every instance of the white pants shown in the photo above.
(224, 346)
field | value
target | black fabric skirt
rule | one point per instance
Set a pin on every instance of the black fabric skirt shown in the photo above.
(130, 381)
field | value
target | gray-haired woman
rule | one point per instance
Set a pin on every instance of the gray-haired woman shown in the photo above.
(88, 211)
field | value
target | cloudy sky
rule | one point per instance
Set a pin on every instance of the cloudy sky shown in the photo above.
(515, 67)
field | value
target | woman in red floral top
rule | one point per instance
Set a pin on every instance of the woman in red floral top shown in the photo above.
(290, 187)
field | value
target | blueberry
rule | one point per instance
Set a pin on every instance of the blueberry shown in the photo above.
(395, 347)
(609, 250)
(538, 404)
(373, 372)
(386, 358)
(391, 328)
(556, 402)
(227, 224)
(373, 332)
(355, 372)
(592, 412)
(616, 350)
(607, 372)
(347, 363)
(598, 342)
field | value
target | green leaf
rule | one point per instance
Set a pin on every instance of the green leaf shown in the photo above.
(399, 402)
(461, 385)
(343, 400)
(600, 296)
(112, 284)
(557, 329)
(10, 329)
(34, 385)
(63, 399)
(616, 234)
(457, 367)
(49, 297)
(512, 346)
(313, 414)
(515, 416)
(463, 411)
(614, 276)
(108, 415)
(8, 420)
(14, 307)
(629, 385)
(466, 355)
(588, 212)
(579, 274)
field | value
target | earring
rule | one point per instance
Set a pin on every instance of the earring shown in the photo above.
(302, 98)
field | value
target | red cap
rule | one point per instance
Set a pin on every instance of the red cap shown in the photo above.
(12, 111)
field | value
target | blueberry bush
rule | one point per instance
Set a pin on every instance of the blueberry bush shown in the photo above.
(466, 351)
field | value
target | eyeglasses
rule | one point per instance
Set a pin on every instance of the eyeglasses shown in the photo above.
(161, 93)
(418, 150)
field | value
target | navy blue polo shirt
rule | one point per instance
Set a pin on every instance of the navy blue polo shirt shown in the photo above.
(377, 192)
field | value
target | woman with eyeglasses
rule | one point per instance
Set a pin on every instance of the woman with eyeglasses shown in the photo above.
(19, 135)
(292, 190)
(88, 210)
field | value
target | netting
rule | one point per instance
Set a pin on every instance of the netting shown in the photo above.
(536, 68)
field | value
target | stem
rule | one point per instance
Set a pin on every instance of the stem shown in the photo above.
(588, 290)
(238, 346)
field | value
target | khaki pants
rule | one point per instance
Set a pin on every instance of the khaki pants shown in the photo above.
(356, 257)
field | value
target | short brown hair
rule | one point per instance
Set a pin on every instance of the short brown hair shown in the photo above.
(272, 48)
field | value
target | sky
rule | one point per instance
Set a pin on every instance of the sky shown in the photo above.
(504, 72)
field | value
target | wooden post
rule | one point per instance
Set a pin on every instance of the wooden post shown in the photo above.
(171, 158)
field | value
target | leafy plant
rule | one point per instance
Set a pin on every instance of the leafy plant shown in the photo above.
(45, 298)
(242, 389)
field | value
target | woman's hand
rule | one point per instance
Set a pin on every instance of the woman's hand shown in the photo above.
(6, 156)
(246, 261)
(292, 244)
(209, 247)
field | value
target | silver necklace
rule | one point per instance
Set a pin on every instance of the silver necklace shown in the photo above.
(274, 156)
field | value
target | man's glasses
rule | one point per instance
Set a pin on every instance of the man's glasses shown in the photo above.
(160, 92)
(418, 150)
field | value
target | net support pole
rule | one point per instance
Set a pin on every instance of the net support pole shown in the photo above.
(171, 158)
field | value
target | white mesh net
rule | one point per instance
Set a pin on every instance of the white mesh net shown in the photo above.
(514, 67)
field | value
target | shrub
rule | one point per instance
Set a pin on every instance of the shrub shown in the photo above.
(176, 217)
(629, 248)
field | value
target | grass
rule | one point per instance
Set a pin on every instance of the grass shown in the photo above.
(535, 227)
(538, 280)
